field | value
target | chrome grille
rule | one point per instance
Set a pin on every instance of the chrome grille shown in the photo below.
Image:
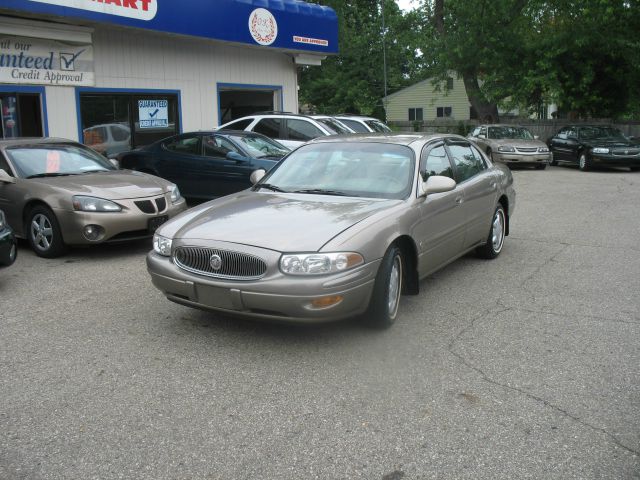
(626, 152)
(233, 265)
(527, 149)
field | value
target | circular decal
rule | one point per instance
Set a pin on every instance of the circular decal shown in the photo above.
(263, 26)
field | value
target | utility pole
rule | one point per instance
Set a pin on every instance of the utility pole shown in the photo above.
(384, 62)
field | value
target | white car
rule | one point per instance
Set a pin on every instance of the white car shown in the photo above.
(334, 124)
(289, 129)
(108, 138)
(362, 124)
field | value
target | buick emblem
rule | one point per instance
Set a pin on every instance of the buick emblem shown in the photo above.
(626, 152)
(216, 262)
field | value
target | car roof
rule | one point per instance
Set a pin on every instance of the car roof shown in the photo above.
(399, 138)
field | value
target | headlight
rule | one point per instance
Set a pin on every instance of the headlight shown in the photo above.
(506, 149)
(543, 149)
(162, 245)
(175, 193)
(93, 204)
(319, 263)
(3, 221)
(600, 150)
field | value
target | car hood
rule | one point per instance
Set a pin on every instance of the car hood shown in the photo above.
(281, 222)
(519, 142)
(112, 185)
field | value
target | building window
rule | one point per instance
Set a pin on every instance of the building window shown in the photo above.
(449, 83)
(443, 112)
(415, 114)
(21, 115)
(116, 122)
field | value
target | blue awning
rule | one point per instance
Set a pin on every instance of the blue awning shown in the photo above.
(283, 24)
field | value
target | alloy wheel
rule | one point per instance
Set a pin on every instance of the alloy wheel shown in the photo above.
(498, 231)
(395, 286)
(41, 232)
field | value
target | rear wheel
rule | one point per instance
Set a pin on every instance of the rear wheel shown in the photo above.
(495, 240)
(385, 298)
(43, 232)
(552, 161)
(13, 253)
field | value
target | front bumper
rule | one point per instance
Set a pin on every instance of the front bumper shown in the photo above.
(609, 160)
(275, 297)
(8, 247)
(129, 224)
(521, 158)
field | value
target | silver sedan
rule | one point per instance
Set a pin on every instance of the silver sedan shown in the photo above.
(342, 227)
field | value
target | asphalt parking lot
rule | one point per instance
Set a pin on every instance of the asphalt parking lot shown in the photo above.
(527, 366)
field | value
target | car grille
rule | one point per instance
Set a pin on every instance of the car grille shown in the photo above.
(527, 149)
(145, 206)
(161, 203)
(626, 152)
(232, 265)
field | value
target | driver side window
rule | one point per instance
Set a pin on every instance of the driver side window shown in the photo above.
(435, 162)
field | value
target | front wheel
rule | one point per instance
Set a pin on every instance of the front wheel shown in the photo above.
(495, 240)
(583, 162)
(43, 232)
(387, 289)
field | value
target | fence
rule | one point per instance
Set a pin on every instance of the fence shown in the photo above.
(542, 128)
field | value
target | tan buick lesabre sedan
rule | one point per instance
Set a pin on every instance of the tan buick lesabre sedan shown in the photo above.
(340, 227)
(56, 192)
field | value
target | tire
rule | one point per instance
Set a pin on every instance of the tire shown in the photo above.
(13, 254)
(634, 169)
(552, 161)
(541, 166)
(43, 233)
(583, 162)
(490, 155)
(495, 239)
(387, 290)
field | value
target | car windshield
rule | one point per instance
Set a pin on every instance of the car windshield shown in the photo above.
(260, 147)
(515, 133)
(377, 170)
(590, 133)
(334, 125)
(377, 126)
(50, 160)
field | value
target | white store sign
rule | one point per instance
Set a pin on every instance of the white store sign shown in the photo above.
(153, 113)
(37, 61)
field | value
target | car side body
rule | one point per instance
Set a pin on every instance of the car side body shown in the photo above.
(206, 164)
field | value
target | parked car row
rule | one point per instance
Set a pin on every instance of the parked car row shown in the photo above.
(586, 146)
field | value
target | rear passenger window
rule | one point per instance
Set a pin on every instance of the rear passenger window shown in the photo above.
(302, 130)
(269, 127)
(189, 145)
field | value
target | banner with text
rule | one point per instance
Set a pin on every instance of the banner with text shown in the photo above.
(37, 61)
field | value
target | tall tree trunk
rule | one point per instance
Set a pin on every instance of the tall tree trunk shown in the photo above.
(487, 112)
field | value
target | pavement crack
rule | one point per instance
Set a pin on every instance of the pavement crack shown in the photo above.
(546, 403)
(551, 259)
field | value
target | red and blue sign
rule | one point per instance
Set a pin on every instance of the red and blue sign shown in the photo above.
(283, 24)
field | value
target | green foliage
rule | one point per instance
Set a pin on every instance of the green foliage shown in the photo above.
(354, 80)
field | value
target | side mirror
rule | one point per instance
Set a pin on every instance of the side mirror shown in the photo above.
(437, 184)
(236, 157)
(257, 175)
(536, 137)
(482, 135)
(5, 177)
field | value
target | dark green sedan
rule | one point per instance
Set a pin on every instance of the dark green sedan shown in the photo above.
(8, 247)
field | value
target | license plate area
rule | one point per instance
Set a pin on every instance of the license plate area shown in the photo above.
(155, 222)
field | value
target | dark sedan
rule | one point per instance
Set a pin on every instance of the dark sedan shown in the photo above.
(206, 164)
(8, 247)
(591, 146)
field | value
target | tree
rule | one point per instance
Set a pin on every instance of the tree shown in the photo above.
(353, 80)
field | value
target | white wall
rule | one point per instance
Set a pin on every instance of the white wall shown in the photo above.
(140, 60)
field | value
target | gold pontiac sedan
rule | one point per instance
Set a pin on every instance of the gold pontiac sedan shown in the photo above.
(56, 192)
(341, 227)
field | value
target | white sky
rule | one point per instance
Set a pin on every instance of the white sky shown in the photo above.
(406, 4)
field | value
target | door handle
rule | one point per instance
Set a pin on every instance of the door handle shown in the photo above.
(459, 199)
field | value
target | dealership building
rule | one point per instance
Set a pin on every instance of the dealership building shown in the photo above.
(117, 74)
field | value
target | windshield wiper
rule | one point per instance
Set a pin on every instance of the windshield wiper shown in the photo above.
(321, 191)
(41, 175)
(269, 186)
